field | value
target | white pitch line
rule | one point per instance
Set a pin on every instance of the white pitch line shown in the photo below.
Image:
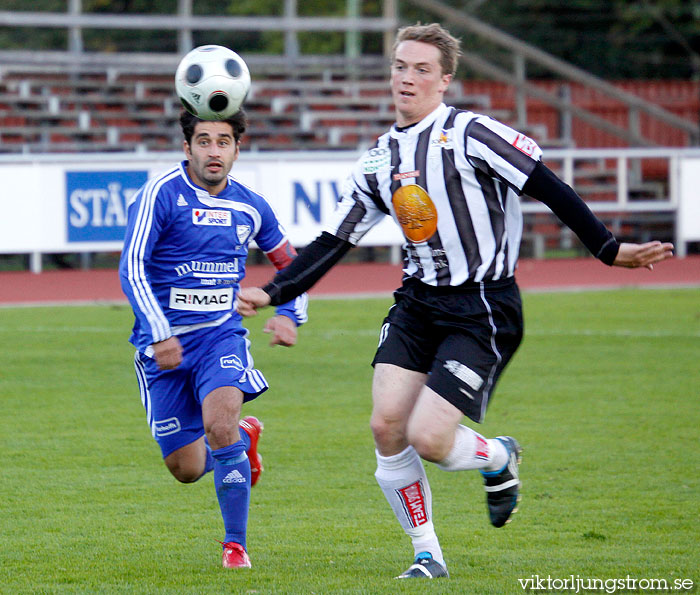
(621, 333)
(61, 304)
(58, 329)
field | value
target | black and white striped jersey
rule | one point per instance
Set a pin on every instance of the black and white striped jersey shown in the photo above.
(452, 183)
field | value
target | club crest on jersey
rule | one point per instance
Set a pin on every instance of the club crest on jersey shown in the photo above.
(211, 217)
(243, 233)
(415, 212)
(443, 141)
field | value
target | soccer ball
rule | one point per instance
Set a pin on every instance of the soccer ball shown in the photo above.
(212, 82)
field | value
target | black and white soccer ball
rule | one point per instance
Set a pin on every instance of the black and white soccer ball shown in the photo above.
(212, 82)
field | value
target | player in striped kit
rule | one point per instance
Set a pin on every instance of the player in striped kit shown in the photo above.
(184, 256)
(452, 180)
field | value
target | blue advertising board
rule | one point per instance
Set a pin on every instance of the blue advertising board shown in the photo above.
(96, 203)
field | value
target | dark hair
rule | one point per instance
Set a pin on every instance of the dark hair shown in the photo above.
(433, 34)
(238, 123)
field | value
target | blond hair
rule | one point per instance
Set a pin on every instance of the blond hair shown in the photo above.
(435, 35)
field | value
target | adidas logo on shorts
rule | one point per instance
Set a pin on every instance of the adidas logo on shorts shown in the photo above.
(234, 477)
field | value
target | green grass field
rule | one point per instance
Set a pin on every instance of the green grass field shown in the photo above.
(604, 396)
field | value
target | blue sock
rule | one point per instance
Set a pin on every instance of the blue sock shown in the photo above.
(232, 482)
(209, 463)
(244, 437)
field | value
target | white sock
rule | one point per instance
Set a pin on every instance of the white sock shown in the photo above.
(498, 455)
(405, 485)
(472, 451)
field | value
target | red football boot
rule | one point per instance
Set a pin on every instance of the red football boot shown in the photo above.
(234, 556)
(253, 427)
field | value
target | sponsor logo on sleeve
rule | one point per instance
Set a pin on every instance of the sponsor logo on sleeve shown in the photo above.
(201, 300)
(525, 145)
(165, 427)
(217, 217)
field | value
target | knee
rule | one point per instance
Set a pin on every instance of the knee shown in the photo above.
(430, 445)
(222, 431)
(378, 425)
(389, 434)
(188, 463)
(184, 473)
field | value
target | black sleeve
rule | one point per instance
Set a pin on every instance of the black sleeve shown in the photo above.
(546, 187)
(309, 266)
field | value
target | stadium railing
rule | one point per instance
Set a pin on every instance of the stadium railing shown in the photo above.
(639, 193)
(516, 75)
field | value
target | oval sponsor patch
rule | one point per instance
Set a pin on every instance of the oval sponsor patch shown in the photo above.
(416, 212)
(376, 160)
(165, 427)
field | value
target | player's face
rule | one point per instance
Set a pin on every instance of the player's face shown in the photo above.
(211, 155)
(417, 82)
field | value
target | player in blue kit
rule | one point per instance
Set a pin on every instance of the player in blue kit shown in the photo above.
(184, 256)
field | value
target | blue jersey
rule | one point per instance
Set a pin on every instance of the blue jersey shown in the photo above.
(185, 251)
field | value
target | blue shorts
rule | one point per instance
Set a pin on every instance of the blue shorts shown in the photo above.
(212, 358)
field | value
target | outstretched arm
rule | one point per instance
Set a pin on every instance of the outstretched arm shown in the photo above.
(546, 187)
(288, 316)
(313, 262)
(646, 255)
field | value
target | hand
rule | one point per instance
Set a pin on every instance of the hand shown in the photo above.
(250, 299)
(634, 256)
(168, 353)
(283, 329)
